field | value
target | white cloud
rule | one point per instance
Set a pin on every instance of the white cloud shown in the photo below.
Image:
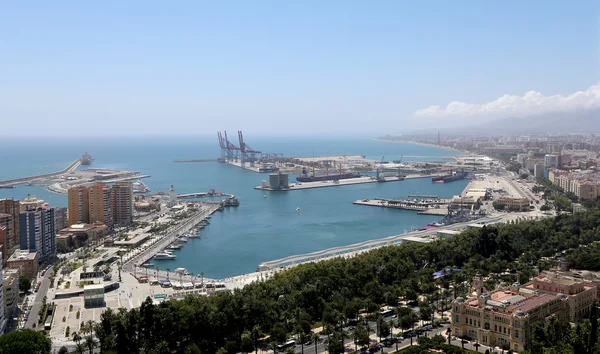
(531, 103)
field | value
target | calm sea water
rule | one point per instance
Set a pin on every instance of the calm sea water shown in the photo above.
(260, 229)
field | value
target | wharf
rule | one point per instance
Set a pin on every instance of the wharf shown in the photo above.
(137, 259)
(337, 183)
(408, 204)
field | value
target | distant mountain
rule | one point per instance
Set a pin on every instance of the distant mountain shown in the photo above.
(550, 123)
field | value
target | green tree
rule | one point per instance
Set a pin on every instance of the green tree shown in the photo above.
(25, 341)
(247, 344)
(24, 283)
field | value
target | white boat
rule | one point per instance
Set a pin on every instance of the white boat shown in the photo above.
(183, 239)
(164, 255)
(194, 235)
(174, 246)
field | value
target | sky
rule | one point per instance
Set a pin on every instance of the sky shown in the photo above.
(281, 67)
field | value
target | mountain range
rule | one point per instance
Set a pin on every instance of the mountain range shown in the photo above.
(587, 121)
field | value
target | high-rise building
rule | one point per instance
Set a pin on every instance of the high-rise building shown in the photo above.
(32, 203)
(60, 219)
(38, 232)
(2, 315)
(12, 208)
(3, 239)
(78, 206)
(101, 204)
(122, 194)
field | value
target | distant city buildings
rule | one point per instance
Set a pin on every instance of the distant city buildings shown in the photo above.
(61, 219)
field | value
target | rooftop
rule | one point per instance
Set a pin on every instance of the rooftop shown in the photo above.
(20, 255)
(532, 302)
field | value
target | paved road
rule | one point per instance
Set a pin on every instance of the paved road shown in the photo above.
(37, 304)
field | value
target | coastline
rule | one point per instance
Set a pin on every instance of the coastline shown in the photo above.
(423, 144)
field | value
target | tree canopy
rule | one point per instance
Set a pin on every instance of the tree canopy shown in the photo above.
(25, 341)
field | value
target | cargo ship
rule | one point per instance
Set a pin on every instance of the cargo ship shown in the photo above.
(304, 177)
(86, 159)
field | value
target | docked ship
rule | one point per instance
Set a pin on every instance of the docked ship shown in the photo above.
(304, 177)
(457, 176)
(86, 159)
(140, 187)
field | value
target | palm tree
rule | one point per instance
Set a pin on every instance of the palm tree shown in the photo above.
(477, 345)
(168, 270)
(202, 277)
(79, 348)
(449, 333)
(76, 337)
(90, 343)
(315, 339)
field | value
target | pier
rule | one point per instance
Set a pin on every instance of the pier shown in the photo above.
(332, 183)
(197, 160)
(406, 204)
(11, 182)
(351, 250)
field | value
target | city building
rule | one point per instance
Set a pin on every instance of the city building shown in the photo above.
(122, 194)
(3, 315)
(32, 203)
(10, 290)
(88, 232)
(12, 237)
(172, 197)
(93, 295)
(3, 239)
(508, 315)
(518, 204)
(101, 205)
(60, 219)
(78, 211)
(25, 260)
(538, 170)
(38, 232)
(551, 161)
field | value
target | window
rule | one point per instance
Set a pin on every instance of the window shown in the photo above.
(516, 335)
(495, 328)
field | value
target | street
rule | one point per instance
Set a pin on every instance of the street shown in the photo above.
(33, 317)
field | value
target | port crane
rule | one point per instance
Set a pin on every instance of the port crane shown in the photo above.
(248, 154)
(228, 150)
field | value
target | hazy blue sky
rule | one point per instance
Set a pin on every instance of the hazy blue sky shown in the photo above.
(109, 67)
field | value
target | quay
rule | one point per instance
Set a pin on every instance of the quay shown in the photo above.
(336, 183)
(204, 195)
(130, 262)
(357, 248)
(406, 204)
(11, 182)
(129, 178)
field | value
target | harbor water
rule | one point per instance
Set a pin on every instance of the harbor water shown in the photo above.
(260, 229)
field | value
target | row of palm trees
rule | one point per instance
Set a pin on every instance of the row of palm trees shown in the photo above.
(84, 339)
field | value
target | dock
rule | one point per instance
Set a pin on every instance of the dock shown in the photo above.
(422, 205)
(336, 183)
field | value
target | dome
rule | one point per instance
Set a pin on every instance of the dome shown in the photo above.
(460, 299)
(561, 295)
(586, 274)
(519, 313)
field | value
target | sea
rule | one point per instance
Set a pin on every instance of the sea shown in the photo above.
(260, 229)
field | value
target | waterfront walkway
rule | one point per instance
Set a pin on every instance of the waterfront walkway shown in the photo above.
(11, 182)
(368, 245)
(140, 256)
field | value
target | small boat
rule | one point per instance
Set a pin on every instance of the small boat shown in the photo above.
(183, 239)
(148, 265)
(194, 235)
(298, 209)
(174, 246)
(164, 255)
(264, 196)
